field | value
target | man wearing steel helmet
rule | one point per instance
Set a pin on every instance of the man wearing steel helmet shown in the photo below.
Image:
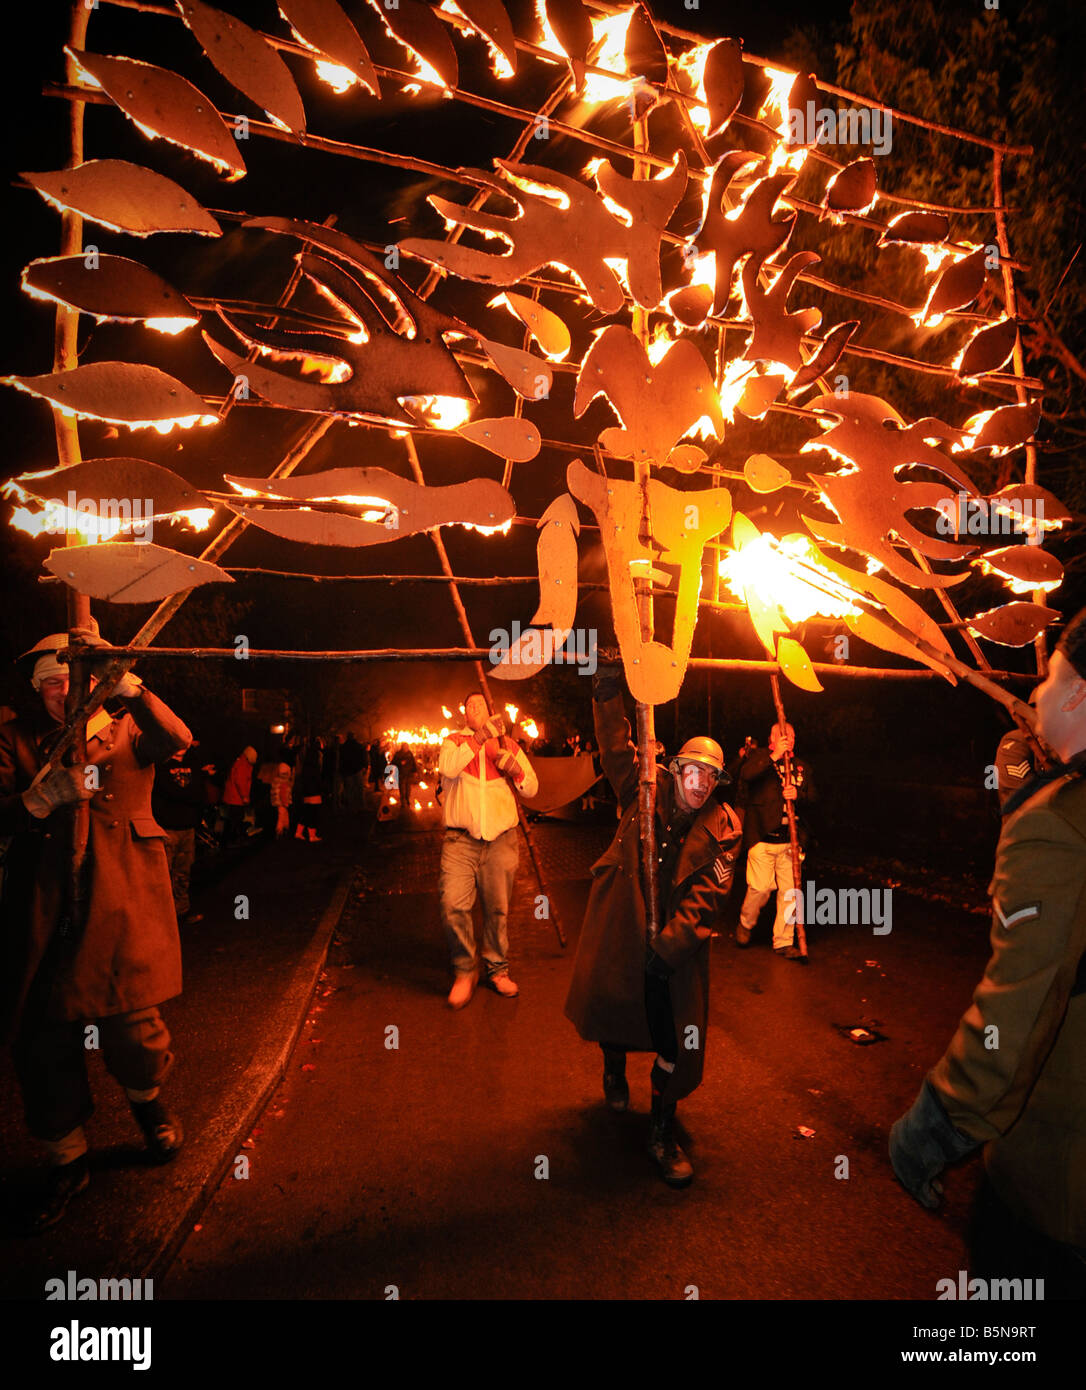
(115, 965)
(1014, 1075)
(632, 996)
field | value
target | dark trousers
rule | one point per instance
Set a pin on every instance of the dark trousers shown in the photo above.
(50, 1062)
(1001, 1246)
(661, 1019)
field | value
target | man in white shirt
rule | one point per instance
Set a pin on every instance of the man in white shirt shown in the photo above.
(480, 853)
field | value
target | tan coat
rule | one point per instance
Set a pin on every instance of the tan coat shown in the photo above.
(127, 954)
(606, 1001)
(1022, 1088)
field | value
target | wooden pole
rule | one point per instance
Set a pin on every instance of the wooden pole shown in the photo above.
(793, 832)
(645, 713)
(65, 358)
(1036, 535)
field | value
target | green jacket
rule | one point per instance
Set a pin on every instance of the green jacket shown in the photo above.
(1014, 1075)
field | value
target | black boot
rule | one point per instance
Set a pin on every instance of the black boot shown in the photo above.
(62, 1183)
(615, 1090)
(675, 1168)
(161, 1129)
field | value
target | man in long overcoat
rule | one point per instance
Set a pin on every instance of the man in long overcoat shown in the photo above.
(627, 994)
(114, 967)
(1014, 1075)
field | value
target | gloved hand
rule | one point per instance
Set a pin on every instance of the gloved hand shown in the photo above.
(606, 684)
(922, 1143)
(493, 728)
(507, 762)
(130, 685)
(63, 786)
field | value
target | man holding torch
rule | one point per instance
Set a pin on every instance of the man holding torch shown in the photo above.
(630, 994)
(482, 771)
(1014, 1075)
(76, 978)
(771, 783)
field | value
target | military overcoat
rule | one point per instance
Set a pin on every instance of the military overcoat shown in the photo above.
(606, 1001)
(126, 955)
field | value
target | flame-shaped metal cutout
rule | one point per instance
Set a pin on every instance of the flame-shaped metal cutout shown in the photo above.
(563, 221)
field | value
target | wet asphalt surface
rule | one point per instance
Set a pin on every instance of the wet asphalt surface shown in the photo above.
(419, 1153)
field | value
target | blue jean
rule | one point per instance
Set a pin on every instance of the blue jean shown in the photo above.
(487, 867)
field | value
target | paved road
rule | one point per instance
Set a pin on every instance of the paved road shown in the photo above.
(420, 1165)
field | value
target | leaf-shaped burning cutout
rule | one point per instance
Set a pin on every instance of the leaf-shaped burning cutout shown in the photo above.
(111, 287)
(658, 404)
(1013, 625)
(122, 573)
(764, 474)
(853, 189)
(988, 349)
(163, 104)
(391, 506)
(322, 26)
(529, 376)
(645, 53)
(723, 82)
(796, 664)
(122, 393)
(958, 285)
(548, 330)
(829, 352)
(416, 28)
(508, 436)
(917, 228)
(248, 62)
(1028, 503)
(490, 19)
(759, 393)
(803, 96)
(1025, 567)
(124, 197)
(160, 491)
(1003, 428)
(571, 26)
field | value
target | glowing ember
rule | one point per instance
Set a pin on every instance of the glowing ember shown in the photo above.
(446, 711)
(609, 51)
(170, 326)
(422, 737)
(339, 78)
(785, 155)
(789, 574)
(692, 66)
(446, 412)
(500, 65)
